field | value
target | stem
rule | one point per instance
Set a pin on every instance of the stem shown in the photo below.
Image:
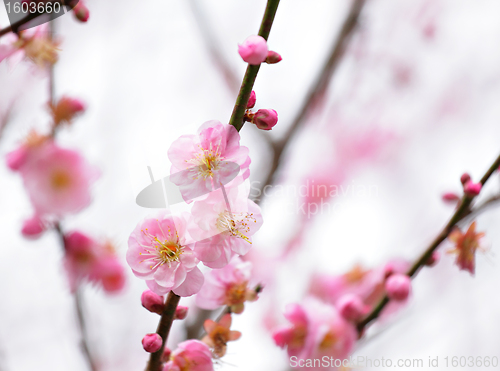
(15, 26)
(163, 329)
(462, 211)
(251, 73)
(319, 87)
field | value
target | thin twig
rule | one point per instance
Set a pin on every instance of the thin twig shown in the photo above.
(461, 212)
(163, 329)
(252, 71)
(318, 89)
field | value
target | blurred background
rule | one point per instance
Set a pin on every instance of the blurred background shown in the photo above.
(412, 105)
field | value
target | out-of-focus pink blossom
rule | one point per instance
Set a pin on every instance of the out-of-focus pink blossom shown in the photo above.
(450, 197)
(202, 162)
(398, 287)
(158, 252)
(95, 261)
(351, 307)
(227, 286)
(66, 109)
(190, 355)
(472, 189)
(224, 230)
(252, 100)
(273, 57)
(152, 302)
(152, 342)
(316, 330)
(181, 312)
(33, 227)
(219, 334)
(265, 119)
(466, 245)
(464, 178)
(57, 180)
(253, 50)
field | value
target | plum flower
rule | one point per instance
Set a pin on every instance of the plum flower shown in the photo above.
(200, 163)
(158, 253)
(57, 180)
(219, 334)
(316, 330)
(224, 228)
(190, 355)
(466, 245)
(227, 286)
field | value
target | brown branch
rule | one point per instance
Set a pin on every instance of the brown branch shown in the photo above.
(319, 87)
(461, 212)
(251, 73)
(163, 329)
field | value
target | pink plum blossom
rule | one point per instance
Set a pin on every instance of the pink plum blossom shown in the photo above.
(466, 245)
(253, 50)
(316, 330)
(224, 229)
(190, 355)
(33, 227)
(57, 180)
(227, 286)
(93, 260)
(200, 163)
(219, 334)
(158, 252)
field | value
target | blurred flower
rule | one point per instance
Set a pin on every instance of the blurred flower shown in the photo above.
(317, 330)
(57, 180)
(190, 355)
(223, 229)
(227, 286)
(158, 253)
(219, 334)
(398, 287)
(33, 227)
(253, 50)
(351, 307)
(66, 109)
(202, 162)
(466, 245)
(472, 189)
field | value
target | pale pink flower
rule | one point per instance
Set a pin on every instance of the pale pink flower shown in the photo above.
(57, 180)
(158, 252)
(190, 355)
(224, 230)
(219, 334)
(253, 50)
(316, 330)
(227, 286)
(202, 162)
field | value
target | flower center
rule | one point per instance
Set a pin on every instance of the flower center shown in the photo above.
(161, 250)
(236, 293)
(328, 341)
(207, 161)
(60, 179)
(236, 224)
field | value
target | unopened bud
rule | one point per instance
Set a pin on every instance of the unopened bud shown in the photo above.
(273, 57)
(81, 12)
(450, 197)
(351, 307)
(472, 189)
(252, 100)
(433, 260)
(464, 178)
(253, 50)
(152, 302)
(265, 119)
(398, 287)
(152, 343)
(181, 312)
(33, 227)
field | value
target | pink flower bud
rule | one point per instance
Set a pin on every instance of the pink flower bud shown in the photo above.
(152, 302)
(81, 12)
(433, 260)
(265, 119)
(165, 357)
(398, 287)
(33, 227)
(464, 178)
(450, 197)
(252, 100)
(273, 57)
(253, 50)
(472, 189)
(16, 158)
(351, 307)
(181, 312)
(152, 343)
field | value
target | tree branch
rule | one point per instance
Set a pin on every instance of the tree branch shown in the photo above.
(163, 329)
(461, 212)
